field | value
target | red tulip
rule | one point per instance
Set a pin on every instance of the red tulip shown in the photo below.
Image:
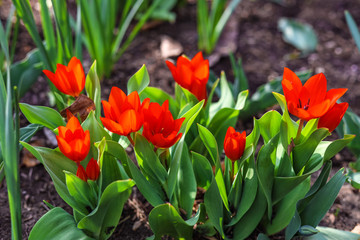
(92, 170)
(123, 113)
(311, 100)
(69, 79)
(234, 144)
(333, 117)
(191, 74)
(160, 128)
(73, 142)
(80, 173)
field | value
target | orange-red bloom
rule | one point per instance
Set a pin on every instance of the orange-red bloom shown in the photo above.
(234, 144)
(73, 142)
(333, 117)
(191, 74)
(92, 170)
(160, 128)
(123, 113)
(311, 100)
(69, 79)
(80, 173)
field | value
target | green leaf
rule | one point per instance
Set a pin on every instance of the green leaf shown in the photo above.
(322, 200)
(174, 168)
(251, 219)
(57, 224)
(269, 125)
(81, 191)
(55, 163)
(159, 96)
(326, 233)
(300, 35)
(211, 145)
(110, 171)
(139, 81)
(44, 116)
(202, 170)
(293, 226)
(285, 209)
(93, 89)
(214, 206)
(303, 151)
(187, 183)
(265, 170)
(249, 192)
(102, 222)
(190, 116)
(165, 220)
(353, 28)
(148, 160)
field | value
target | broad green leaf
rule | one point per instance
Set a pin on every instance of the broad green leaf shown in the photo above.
(211, 145)
(102, 222)
(293, 226)
(81, 191)
(326, 233)
(44, 116)
(110, 171)
(303, 151)
(269, 125)
(214, 207)
(93, 89)
(57, 224)
(265, 170)
(187, 183)
(249, 192)
(300, 35)
(202, 170)
(148, 160)
(174, 168)
(252, 217)
(139, 81)
(190, 116)
(322, 200)
(285, 209)
(159, 96)
(165, 220)
(55, 163)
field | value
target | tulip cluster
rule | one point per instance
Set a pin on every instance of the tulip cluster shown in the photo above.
(178, 145)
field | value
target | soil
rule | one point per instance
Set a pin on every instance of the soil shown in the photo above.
(255, 38)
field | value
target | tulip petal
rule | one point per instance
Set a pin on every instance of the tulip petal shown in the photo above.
(317, 87)
(334, 94)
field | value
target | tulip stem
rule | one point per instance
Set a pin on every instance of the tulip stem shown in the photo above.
(131, 140)
(232, 171)
(298, 135)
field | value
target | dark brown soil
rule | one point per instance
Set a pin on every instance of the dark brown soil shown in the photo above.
(259, 43)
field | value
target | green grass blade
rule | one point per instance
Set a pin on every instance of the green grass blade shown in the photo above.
(353, 28)
(78, 34)
(202, 24)
(125, 24)
(9, 145)
(137, 28)
(222, 22)
(47, 27)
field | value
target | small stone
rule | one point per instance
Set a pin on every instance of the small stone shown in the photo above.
(169, 47)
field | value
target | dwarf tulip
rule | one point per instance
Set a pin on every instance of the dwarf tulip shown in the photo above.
(333, 117)
(191, 74)
(123, 113)
(311, 100)
(73, 142)
(160, 128)
(92, 170)
(80, 173)
(234, 144)
(69, 79)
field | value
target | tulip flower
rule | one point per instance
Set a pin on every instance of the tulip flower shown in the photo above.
(160, 128)
(69, 79)
(311, 100)
(191, 74)
(234, 144)
(80, 173)
(123, 114)
(92, 170)
(73, 142)
(333, 117)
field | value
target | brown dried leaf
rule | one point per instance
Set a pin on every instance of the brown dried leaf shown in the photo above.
(82, 106)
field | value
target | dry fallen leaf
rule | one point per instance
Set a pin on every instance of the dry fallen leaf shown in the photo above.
(356, 229)
(82, 106)
(27, 158)
(169, 47)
